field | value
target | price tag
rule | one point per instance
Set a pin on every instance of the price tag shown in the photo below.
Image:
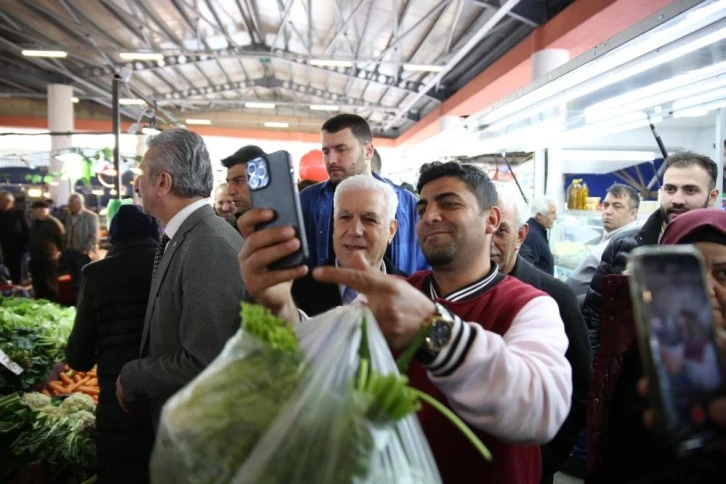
(9, 364)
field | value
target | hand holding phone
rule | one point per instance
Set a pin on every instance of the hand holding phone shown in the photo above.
(677, 341)
(272, 186)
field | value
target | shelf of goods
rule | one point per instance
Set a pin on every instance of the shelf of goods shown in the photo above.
(47, 410)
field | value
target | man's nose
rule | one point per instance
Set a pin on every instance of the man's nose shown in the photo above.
(678, 198)
(431, 215)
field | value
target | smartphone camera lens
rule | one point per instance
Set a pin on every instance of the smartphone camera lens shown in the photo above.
(254, 182)
(251, 168)
(262, 172)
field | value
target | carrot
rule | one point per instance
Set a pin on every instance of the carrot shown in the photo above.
(93, 382)
(57, 386)
(89, 390)
(66, 367)
(77, 384)
(77, 377)
(65, 379)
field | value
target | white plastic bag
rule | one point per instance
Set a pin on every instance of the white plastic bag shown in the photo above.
(263, 415)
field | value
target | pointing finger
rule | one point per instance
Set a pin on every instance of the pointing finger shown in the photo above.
(362, 281)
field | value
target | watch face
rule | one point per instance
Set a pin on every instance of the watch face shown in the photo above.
(440, 333)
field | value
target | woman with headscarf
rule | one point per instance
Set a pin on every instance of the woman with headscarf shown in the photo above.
(622, 448)
(107, 331)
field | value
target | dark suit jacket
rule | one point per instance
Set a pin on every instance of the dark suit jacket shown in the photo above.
(314, 297)
(536, 249)
(193, 309)
(556, 452)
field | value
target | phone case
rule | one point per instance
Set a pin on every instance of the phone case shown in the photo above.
(280, 194)
(637, 277)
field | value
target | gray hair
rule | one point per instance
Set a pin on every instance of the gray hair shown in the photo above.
(367, 182)
(619, 190)
(79, 196)
(184, 156)
(505, 192)
(541, 205)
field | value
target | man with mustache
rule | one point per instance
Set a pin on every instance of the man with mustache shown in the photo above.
(495, 347)
(620, 211)
(689, 182)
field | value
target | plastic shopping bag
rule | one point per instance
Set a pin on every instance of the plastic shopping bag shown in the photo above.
(312, 410)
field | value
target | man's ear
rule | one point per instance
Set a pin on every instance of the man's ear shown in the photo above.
(522, 234)
(392, 228)
(368, 151)
(712, 197)
(494, 218)
(163, 183)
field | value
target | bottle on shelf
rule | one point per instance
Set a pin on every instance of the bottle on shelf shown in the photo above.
(583, 197)
(573, 195)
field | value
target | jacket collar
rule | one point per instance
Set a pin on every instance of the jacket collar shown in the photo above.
(329, 186)
(470, 291)
(652, 228)
(534, 224)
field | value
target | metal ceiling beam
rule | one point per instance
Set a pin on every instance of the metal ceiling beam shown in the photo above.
(124, 18)
(514, 15)
(283, 22)
(182, 95)
(343, 27)
(460, 54)
(259, 51)
(254, 18)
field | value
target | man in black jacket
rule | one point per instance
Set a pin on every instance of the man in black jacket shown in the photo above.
(505, 247)
(107, 331)
(689, 182)
(14, 232)
(363, 222)
(536, 247)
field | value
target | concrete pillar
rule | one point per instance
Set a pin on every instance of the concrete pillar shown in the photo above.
(60, 119)
(555, 177)
(539, 173)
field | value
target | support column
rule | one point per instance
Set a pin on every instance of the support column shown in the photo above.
(60, 119)
(719, 152)
(555, 177)
(539, 173)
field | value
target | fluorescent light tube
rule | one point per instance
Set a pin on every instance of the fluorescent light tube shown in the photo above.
(422, 68)
(141, 56)
(200, 122)
(324, 107)
(148, 130)
(56, 54)
(276, 124)
(132, 101)
(74, 100)
(330, 63)
(260, 105)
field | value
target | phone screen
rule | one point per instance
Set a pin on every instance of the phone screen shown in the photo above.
(682, 342)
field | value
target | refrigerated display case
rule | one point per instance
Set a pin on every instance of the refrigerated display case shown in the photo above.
(576, 231)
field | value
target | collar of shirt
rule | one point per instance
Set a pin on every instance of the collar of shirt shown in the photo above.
(177, 220)
(341, 287)
(469, 291)
(624, 228)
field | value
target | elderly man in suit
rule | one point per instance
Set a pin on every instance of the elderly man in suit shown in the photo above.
(364, 211)
(506, 243)
(196, 287)
(81, 238)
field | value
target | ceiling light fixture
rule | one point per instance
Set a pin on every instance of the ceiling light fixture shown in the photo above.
(75, 100)
(199, 122)
(276, 124)
(330, 63)
(422, 68)
(260, 105)
(131, 101)
(324, 107)
(141, 56)
(56, 54)
(150, 130)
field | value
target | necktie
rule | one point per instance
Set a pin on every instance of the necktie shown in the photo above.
(349, 295)
(159, 254)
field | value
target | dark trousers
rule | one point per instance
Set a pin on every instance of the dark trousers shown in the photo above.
(73, 262)
(13, 261)
(44, 274)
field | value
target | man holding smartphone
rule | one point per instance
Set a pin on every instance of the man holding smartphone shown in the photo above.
(237, 188)
(348, 148)
(495, 351)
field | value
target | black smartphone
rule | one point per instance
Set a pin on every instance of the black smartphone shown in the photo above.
(271, 180)
(677, 341)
